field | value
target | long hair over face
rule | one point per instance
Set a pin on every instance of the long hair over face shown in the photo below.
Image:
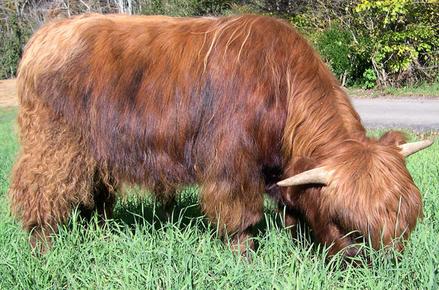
(372, 192)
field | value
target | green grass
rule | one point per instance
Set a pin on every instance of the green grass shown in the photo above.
(423, 90)
(138, 249)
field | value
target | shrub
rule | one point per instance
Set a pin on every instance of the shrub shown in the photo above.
(397, 40)
(369, 79)
(183, 7)
(405, 39)
(334, 46)
(13, 35)
(169, 7)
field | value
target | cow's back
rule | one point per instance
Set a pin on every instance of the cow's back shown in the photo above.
(164, 92)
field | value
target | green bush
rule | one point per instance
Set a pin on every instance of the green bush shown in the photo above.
(183, 7)
(334, 46)
(369, 79)
(15, 30)
(397, 40)
(11, 42)
(404, 46)
(170, 7)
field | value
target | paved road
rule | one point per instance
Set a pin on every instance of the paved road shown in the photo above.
(417, 114)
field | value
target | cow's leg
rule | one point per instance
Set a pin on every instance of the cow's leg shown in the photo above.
(168, 206)
(166, 196)
(104, 199)
(52, 174)
(234, 204)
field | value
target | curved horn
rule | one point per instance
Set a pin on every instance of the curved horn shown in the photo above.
(317, 175)
(413, 147)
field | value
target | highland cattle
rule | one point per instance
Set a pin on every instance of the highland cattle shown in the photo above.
(239, 105)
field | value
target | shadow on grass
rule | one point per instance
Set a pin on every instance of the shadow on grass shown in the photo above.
(141, 208)
(186, 212)
(142, 211)
(146, 211)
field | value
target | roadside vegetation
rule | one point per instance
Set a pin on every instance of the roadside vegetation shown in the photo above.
(366, 43)
(424, 90)
(421, 90)
(139, 248)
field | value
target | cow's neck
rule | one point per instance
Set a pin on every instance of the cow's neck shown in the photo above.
(321, 118)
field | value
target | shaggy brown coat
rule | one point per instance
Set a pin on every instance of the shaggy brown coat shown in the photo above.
(232, 103)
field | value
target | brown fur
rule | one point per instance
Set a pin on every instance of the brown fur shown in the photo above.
(229, 103)
(372, 196)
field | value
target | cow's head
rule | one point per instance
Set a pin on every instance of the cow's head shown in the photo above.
(363, 190)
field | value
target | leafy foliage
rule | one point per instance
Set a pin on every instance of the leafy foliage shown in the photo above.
(183, 7)
(334, 46)
(396, 40)
(13, 34)
(405, 38)
(369, 79)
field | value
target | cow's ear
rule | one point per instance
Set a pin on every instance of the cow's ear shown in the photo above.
(393, 138)
(399, 139)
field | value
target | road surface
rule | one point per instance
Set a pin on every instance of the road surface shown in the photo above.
(417, 114)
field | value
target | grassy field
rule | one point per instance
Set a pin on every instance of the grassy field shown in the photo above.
(420, 91)
(138, 249)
